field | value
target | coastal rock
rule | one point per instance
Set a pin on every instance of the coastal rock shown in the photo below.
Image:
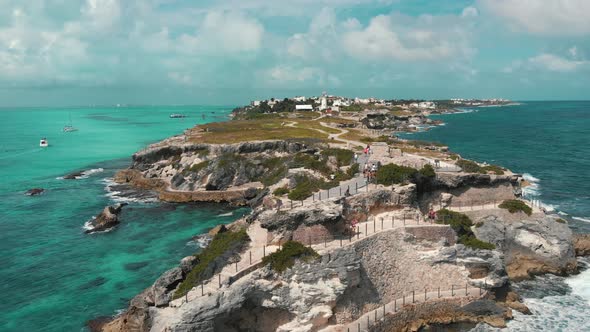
(34, 191)
(109, 217)
(317, 213)
(456, 180)
(163, 289)
(582, 244)
(217, 229)
(73, 176)
(532, 246)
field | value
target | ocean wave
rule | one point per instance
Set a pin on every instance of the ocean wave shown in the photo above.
(229, 214)
(530, 178)
(581, 219)
(126, 194)
(200, 241)
(85, 174)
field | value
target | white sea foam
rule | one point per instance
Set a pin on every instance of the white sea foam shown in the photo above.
(530, 178)
(562, 213)
(581, 219)
(229, 214)
(88, 225)
(90, 172)
(117, 196)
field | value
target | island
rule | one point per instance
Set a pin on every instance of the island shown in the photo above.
(351, 228)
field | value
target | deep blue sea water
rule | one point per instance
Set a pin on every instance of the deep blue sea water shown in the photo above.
(547, 141)
(53, 277)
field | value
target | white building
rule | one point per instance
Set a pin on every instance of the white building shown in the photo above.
(300, 98)
(304, 107)
(363, 101)
(255, 103)
(323, 102)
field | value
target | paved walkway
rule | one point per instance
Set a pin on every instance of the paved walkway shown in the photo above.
(364, 322)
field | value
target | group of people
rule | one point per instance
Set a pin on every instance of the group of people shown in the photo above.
(370, 171)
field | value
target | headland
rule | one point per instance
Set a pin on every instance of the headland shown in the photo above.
(351, 227)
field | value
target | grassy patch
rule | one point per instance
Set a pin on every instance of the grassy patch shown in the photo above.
(427, 171)
(515, 205)
(307, 185)
(343, 156)
(461, 224)
(280, 191)
(275, 169)
(561, 221)
(284, 259)
(392, 174)
(472, 167)
(221, 243)
(353, 169)
(271, 128)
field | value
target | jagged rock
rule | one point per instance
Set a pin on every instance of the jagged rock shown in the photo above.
(217, 229)
(582, 244)
(34, 191)
(318, 213)
(532, 246)
(455, 180)
(187, 263)
(163, 288)
(73, 176)
(109, 217)
(400, 195)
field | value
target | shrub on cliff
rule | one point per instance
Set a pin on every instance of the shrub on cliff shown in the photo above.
(494, 169)
(221, 244)
(283, 259)
(280, 191)
(515, 205)
(392, 174)
(427, 171)
(461, 224)
(469, 166)
(354, 168)
(343, 156)
(307, 185)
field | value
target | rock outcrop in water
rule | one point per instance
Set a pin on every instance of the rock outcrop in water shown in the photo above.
(34, 191)
(108, 218)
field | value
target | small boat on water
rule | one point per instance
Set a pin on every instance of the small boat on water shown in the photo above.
(69, 127)
(177, 116)
(43, 143)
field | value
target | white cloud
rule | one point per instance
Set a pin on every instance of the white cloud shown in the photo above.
(469, 12)
(396, 37)
(555, 63)
(544, 17)
(285, 74)
(548, 62)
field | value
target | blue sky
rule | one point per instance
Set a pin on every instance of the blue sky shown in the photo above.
(69, 52)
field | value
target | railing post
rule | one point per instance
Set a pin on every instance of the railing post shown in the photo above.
(413, 297)
(328, 193)
(374, 230)
(466, 290)
(340, 188)
(313, 197)
(263, 250)
(236, 267)
(424, 294)
(404, 300)
(392, 221)
(340, 242)
(384, 311)
(452, 290)
(202, 290)
(325, 243)
(356, 187)
(394, 305)
(219, 277)
(250, 252)
(439, 292)
(320, 194)
(366, 232)
(368, 323)
(381, 223)
(358, 232)
(291, 204)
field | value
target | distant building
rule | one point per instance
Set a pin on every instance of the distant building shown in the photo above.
(255, 103)
(300, 99)
(323, 102)
(304, 107)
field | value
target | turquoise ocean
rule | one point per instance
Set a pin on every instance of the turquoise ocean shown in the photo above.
(547, 142)
(54, 277)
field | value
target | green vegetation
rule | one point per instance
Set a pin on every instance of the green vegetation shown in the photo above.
(468, 166)
(221, 243)
(561, 221)
(472, 167)
(343, 156)
(419, 144)
(203, 152)
(285, 258)
(275, 169)
(515, 205)
(427, 171)
(307, 185)
(353, 169)
(280, 191)
(392, 174)
(353, 108)
(461, 224)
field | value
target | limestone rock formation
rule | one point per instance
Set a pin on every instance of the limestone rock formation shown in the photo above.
(532, 246)
(582, 244)
(108, 218)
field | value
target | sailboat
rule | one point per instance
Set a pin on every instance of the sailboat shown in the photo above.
(69, 128)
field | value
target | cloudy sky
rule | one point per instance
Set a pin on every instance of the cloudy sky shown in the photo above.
(79, 52)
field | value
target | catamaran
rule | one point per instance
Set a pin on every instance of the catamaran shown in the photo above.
(69, 128)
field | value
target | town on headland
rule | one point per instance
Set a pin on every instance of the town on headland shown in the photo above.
(351, 227)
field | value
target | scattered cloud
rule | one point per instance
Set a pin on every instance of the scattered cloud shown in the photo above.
(543, 17)
(549, 62)
(469, 12)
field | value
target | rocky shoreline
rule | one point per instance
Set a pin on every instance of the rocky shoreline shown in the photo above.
(351, 278)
